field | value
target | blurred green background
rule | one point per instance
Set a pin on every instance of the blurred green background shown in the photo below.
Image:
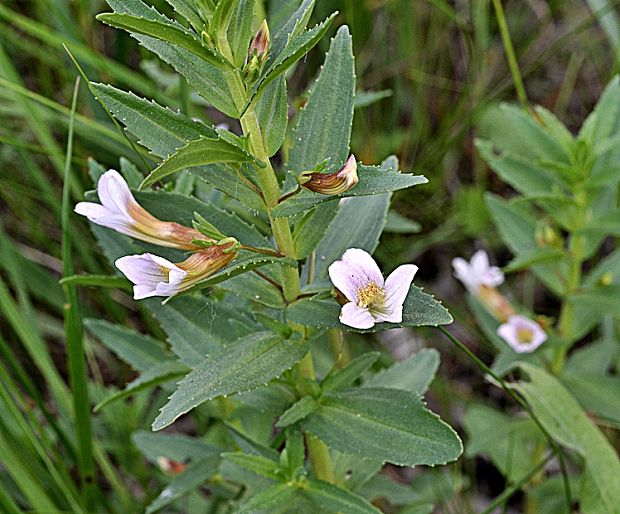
(436, 67)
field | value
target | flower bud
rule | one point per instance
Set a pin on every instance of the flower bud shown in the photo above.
(171, 467)
(259, 47)
(332, 183)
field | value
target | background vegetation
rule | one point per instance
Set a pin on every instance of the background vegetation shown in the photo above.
(438, 65)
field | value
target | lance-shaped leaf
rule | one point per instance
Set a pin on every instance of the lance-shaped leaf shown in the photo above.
(413, 374)
(241, 366)
(384, 424)
(240, 30)
(297, 47)
(272, 112)
(373, 180)
(188, 9)
(198, 153)
(419, 309)
(157, 128)
(167, 32)
(566, 422)
(207, 79)
(195, 475)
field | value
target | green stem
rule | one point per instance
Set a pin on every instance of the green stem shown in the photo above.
(510, 52)
(78, 373)
(318, 452)
(271, 192)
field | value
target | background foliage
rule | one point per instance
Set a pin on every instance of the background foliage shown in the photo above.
(433, 74)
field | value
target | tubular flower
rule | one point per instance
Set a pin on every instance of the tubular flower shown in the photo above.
(477, 272)
(155, 276)
(119, 210)
(332, 183)
(522, 334)
(371, 299)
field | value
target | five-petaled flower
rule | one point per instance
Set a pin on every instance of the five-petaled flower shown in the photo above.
(522, 334)
(371, 298)
(155, 276)
(332, 183)
(119, 210)
(477, 272)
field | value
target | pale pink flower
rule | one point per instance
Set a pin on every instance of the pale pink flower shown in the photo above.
(522, 334)
(371, 298)
(155, 276)
(477, 272)
(119, 210)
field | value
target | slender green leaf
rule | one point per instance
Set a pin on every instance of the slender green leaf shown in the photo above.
(345, 376)
(566, 422)
(272, 112)
(255, 463)
(299, 410)
(197, 153)
(241, 366)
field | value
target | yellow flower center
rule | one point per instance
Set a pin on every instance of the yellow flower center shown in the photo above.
(371, 297)
(525, 335)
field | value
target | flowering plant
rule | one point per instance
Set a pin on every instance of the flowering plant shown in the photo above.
(252, 260)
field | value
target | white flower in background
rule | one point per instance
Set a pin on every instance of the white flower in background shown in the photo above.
(119, 210)
(477, 272)
(371, 298)
(155, 276)
(522, 334)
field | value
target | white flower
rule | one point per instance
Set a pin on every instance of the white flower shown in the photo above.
(522, 334)
(155, 276)
(477, 272)
(371, 298)
(119, 210)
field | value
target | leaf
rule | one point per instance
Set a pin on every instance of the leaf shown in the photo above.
(272, 112)
(330, 498)
(373, 180)
(517, 229)
(311, 229)
(177, 447)
(241, 366)
(350, 373)
(596, 393)
(156, 375)
(295, 24)
(274, 500)
(299, 410)
(398, 224)
(538, 256)
(561, 415)
(414, 374)
(225, 178)
(419, 309)
(167, 32)
(240, 30)
(197, 153)
(139, 351)
(195, 475)
(197, 325)
(603, 122)
(187, 9)
(208, 80)
(384, 424)
(523, 174)
(256, 289)
(158, 128)
(505, 440)
(296, 48)
(255, 463)
(323, 129)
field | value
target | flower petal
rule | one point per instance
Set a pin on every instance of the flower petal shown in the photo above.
(397, 287)
(393, 316)
(463, 272)
(479, 262)
(365, 263)
(114, 192)
(356, 317)
(141, 292)
(356, 270)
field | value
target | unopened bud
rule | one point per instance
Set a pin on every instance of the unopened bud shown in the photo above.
(606, 279)
(332, 183)
(259, 47)
(171, 467)
(496, 303)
